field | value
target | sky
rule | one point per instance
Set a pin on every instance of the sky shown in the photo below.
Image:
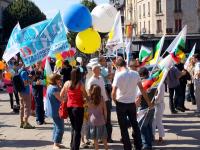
(51, 7)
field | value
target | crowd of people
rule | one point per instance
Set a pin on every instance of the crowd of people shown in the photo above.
(89, 100)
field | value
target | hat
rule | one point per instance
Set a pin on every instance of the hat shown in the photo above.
(79, 59)
(95, 66)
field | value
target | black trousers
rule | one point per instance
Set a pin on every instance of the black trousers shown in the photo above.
(183, 91)
(174, 101)
(11, 100)
(16, 97)
(108, 88)
(123, 111)
(191, 93)
(76, 119)
(39, 108)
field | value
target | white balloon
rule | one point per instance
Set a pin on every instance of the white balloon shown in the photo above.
(103, 17)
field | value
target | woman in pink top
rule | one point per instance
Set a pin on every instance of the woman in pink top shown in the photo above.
(74, 91)
(7, 79)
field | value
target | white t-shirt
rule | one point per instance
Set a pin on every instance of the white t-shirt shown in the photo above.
(126, 83)
(197, 69)
(100, 82)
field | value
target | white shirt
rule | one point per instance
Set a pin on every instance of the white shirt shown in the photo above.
(126, 83)
(100, 82)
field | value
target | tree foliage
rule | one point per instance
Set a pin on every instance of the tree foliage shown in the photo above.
(23, 11)
(72, 35)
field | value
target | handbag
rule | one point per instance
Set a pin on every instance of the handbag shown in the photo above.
(63, 114)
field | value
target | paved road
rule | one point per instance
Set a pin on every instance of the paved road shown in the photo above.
(182, 131)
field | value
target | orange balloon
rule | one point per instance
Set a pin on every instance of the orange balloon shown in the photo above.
(2, 65)
(8, 75)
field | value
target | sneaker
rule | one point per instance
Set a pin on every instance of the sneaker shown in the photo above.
(28, 126)
(39, 123)
(174, 112)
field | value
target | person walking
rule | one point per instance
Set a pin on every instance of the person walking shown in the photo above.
(54, 99)
(74, 91)
(124, 94)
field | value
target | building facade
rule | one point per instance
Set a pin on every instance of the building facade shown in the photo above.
(163, 16)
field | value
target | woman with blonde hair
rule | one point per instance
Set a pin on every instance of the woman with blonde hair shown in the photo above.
(53, 96)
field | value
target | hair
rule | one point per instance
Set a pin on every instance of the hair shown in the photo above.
(53, 77)
(120, 62)
(197, 56)
(101, 58)
(143, 72)
(95, 94)
(75, 77)
(66, 62)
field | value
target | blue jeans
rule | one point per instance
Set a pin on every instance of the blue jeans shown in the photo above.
(146, 129)
(58, 129)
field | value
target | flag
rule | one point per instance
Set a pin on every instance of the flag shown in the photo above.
(127, 50)
(47, 72)
(177, 53)
(157, 51)
(12, 47)
(153, 80)
(115, 39)
(190, 55)
(51, 38)
(182, 36)
(166, 62)
(145, 55)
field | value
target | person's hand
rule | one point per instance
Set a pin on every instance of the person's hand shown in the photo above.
(184, 72)
(151, 105)
(138, 101)
(114, 100)
(38, 82)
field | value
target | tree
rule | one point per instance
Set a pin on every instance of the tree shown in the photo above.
(72, 35)
(23, 11)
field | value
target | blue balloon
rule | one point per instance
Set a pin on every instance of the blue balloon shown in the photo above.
(77, 18)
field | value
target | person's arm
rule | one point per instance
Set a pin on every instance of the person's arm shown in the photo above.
(84, 92)
(113, 94)
(104, 109)
(64, 90)
(58, 97)
(146, 97)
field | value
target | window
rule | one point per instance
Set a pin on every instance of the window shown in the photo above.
(143, 10)
(178, 25)
(159, 26)
(158, 7)
(148, 8)
(140, 11)
(177, 5)
(149, 27)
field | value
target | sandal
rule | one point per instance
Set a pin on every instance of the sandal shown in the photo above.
(28, 126)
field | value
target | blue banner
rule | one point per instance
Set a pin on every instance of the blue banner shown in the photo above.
(12, 47)
(42, 39)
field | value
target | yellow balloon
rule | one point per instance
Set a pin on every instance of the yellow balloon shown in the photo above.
(88, 41)
(59, 56)
(73, 63)
(59, 63)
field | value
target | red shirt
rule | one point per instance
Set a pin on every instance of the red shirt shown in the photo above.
(75, 97)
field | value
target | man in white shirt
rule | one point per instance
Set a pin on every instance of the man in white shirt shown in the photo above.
(98, 80)
(124, 94)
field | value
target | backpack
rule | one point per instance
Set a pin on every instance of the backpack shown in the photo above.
(18, 83)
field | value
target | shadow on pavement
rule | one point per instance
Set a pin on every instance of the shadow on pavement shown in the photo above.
(24, 143)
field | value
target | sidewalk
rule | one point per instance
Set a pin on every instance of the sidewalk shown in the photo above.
(182, 131)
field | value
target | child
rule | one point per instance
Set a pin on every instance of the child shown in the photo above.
(97, 117)
(84, 130)
(159, 109)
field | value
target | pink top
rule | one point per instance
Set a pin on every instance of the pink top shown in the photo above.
(9, 85)
(75, 97)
